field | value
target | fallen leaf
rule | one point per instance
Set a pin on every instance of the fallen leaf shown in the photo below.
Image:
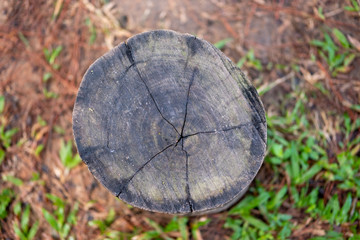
(354, 42)
(57, 8)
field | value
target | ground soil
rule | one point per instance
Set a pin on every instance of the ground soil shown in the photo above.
(278, 31)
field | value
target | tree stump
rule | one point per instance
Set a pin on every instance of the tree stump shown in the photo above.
(167, 123)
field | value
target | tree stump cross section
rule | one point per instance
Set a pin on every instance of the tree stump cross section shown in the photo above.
(167, 123)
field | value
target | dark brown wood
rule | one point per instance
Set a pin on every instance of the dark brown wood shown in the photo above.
(168, 123)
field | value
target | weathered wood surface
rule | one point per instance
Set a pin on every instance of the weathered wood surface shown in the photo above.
(167, 123)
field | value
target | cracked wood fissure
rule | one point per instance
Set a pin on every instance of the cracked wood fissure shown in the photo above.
(187, 188)
(133, 64)
(137, 171)
(187, 100)
(131, 59)
(221, 130)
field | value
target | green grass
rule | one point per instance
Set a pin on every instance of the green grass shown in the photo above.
(2, 104)
(176, 226)
(246, 225)
(25, 231)
(68, 159)
(222, 43)
(300, 158)
(250, 61)
(59, 220)
(346, 169)
(354, 7)
(338, 56)
(296, 151)
(103, 225)
(6, 197)
(92, 31)
(14, 180)
(6, 133)
(50, 56)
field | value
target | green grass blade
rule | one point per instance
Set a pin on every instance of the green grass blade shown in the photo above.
(346, 208)
(51, 220)
(222, 43)
(72, 215)
(294, 159)
(2, 104)
(341, 37)
(256, 223)
(277, 200)
(25, 219)
(182, 227)
(54, 54)
(65, 230)
(172, 226)
(17, 208)
(33, 230)
(110, 217)
(2, 156)
(310, 173)
(24, 39)
(56, 200)
(18, 232)
(14, 180)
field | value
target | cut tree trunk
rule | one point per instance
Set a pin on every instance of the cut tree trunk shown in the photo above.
(168, 123)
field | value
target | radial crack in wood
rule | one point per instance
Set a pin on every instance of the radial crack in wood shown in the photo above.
(137, 171)
(221, 130)
(187, 101)
(130, 56)
(166, 188)
(169, 124)
(187, 189)
(224, 171)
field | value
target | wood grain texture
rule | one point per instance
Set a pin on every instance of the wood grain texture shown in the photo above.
(167, 123)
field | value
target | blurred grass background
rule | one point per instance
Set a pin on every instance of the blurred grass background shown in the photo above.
(303, 57)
